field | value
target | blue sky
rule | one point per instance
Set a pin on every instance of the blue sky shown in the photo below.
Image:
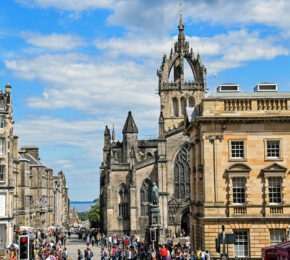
(76, 66)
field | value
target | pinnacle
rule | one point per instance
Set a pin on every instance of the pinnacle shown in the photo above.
(130, 125)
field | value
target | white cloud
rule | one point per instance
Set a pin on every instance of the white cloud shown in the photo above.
(70, 5)
(85, 83)
(54, 41)
(64, 164)
(221, 51)
(159, 16)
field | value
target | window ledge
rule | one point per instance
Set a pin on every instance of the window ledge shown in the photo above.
(237, 159)
(267, 159)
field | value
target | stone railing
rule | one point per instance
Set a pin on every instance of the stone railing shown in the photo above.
(237, 105)
(276, 210)
(240, 210)
(272, 104)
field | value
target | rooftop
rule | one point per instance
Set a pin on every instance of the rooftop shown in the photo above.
(249, 95)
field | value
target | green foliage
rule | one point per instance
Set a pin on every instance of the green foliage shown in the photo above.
(83, 216)
(94, 216)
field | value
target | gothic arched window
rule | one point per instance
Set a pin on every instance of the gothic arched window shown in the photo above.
(123, 201)
(183, 106)
(175, 106)
(145, 197)
(182, 173)
(191, 102)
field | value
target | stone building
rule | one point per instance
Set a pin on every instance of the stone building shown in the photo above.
(61, 201)
(34, 190)
(6, 169)
(37, 191)
(240, 161)
(131, 166)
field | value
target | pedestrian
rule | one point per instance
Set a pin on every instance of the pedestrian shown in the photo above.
(88, 240)
(163, 253)
(104, 254)
(80, 255)
(64, 254)
(93, 241)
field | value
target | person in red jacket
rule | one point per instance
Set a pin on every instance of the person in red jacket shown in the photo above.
(163, 253)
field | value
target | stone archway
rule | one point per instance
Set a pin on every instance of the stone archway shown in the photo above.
(180, 220)
(185, 227)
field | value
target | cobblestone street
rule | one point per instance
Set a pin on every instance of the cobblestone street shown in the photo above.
(73, 244)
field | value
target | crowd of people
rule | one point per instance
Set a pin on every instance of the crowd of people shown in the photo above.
(42, 245)
(51, 245)
(131, 247)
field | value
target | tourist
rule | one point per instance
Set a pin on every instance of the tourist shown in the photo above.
(80, 255)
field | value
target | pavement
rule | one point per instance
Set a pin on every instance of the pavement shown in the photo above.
(73, 244)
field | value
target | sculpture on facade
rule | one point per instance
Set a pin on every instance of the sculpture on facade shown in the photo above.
(155, 194)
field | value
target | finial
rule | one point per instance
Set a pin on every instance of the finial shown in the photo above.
(113, 134)
(180, 19)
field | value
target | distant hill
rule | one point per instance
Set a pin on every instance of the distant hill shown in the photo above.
(82, 202)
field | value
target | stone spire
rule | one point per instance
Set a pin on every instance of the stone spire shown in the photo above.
(161, 126)
(107, 138)
(181, 36)
(130, 126)
(113, 134)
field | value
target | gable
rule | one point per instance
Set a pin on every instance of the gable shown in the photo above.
(274, 167)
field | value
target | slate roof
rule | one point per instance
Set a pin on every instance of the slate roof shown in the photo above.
(130, 126)
(32, 160)
(249, 95)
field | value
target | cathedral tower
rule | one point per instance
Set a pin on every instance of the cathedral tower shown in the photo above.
(176, 95)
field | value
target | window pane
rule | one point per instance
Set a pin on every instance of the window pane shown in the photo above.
(2, 172)
(183, 106)
(242, 244)
(1, 121)
(237, 149)
(239, 190)
(275, 190)
(175, 106)
(273, 149)
(277, 236)
(2, 145)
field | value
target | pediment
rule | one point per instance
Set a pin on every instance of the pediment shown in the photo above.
(238, 167)
(274, 167)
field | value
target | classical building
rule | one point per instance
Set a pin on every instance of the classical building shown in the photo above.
(6, 169)
(131, 166)
(240, 161)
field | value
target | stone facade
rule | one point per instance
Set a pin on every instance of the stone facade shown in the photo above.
(61, 201)
(41, 199)
(131, 166)
(240, 161)
(6, 169)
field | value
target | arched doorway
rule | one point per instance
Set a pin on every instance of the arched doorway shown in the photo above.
(185, 229)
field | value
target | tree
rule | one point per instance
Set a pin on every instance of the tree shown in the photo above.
(94, 216)
(83, 216)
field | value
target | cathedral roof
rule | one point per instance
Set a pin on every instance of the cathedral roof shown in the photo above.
(130, 125)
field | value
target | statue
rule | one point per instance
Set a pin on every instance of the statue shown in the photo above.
(155, 194)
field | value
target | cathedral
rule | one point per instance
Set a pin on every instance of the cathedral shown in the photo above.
(131, 166)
